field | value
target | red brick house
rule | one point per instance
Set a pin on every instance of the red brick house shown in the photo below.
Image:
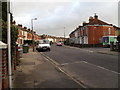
(26, 34)
(92, 32)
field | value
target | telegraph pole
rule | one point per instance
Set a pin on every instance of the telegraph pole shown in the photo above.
(64, 34)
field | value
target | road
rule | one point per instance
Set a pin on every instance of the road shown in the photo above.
(36, 72)
(94, 70)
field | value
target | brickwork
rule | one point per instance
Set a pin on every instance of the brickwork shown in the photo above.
(26, 34)
(93, 31)
(4, 71)
(4, 67)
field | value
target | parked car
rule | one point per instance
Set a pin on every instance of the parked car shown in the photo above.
(43, 45)
(59, 43)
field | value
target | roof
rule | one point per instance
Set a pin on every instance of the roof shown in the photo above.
(100, 22)
(75, 29)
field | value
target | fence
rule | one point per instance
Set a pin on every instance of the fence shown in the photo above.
(4, 65)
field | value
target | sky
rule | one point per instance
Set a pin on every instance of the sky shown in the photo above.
(56, 16)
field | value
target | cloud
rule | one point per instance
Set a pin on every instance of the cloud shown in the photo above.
(54, 16)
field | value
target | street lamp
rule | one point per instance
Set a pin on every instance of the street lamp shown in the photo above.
(64, 34)
(9, 44)
(33, 33)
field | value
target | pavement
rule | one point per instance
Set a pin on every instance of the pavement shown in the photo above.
(97, 50)
(35, 71)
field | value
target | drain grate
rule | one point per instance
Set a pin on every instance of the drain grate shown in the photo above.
(28, 63)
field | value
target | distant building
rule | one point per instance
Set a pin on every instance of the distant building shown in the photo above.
(53, 38)
(92, 32)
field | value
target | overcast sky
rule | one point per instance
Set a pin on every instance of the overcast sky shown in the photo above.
(53, 15)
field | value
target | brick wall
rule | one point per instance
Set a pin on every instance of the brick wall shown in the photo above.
(95, 33)
(3, 68)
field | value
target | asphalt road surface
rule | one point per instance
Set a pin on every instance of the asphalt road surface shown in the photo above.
(94, 70)
(36, 72)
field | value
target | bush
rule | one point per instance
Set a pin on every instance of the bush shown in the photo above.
(14, 37)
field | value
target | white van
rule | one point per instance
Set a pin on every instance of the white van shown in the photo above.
(43, 45)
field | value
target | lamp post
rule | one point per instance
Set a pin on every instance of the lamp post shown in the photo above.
(33, 33)
(64, 34)
(9, 44)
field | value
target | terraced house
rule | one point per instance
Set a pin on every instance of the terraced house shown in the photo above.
(91, 33)
(25, 34)
(53, 38)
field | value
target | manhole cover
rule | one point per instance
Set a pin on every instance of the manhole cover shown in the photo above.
(28, 63)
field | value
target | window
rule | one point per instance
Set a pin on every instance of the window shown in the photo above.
(109, 31)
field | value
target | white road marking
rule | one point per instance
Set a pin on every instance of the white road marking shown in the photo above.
(80, 62)
(71, 63)
(77, 81)
(80, 49)
(54, 63)
(101, 67)
(92, 65)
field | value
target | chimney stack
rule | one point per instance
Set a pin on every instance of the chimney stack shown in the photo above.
(90, 19)
(20, 25)
(96, 16)
(25, 27)
(84, 23)
(28, 29)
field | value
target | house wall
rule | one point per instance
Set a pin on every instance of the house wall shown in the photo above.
(95, 33)
(20, 36)
(117, 32)
(85, 39)
(29, 36)
(24, 34)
